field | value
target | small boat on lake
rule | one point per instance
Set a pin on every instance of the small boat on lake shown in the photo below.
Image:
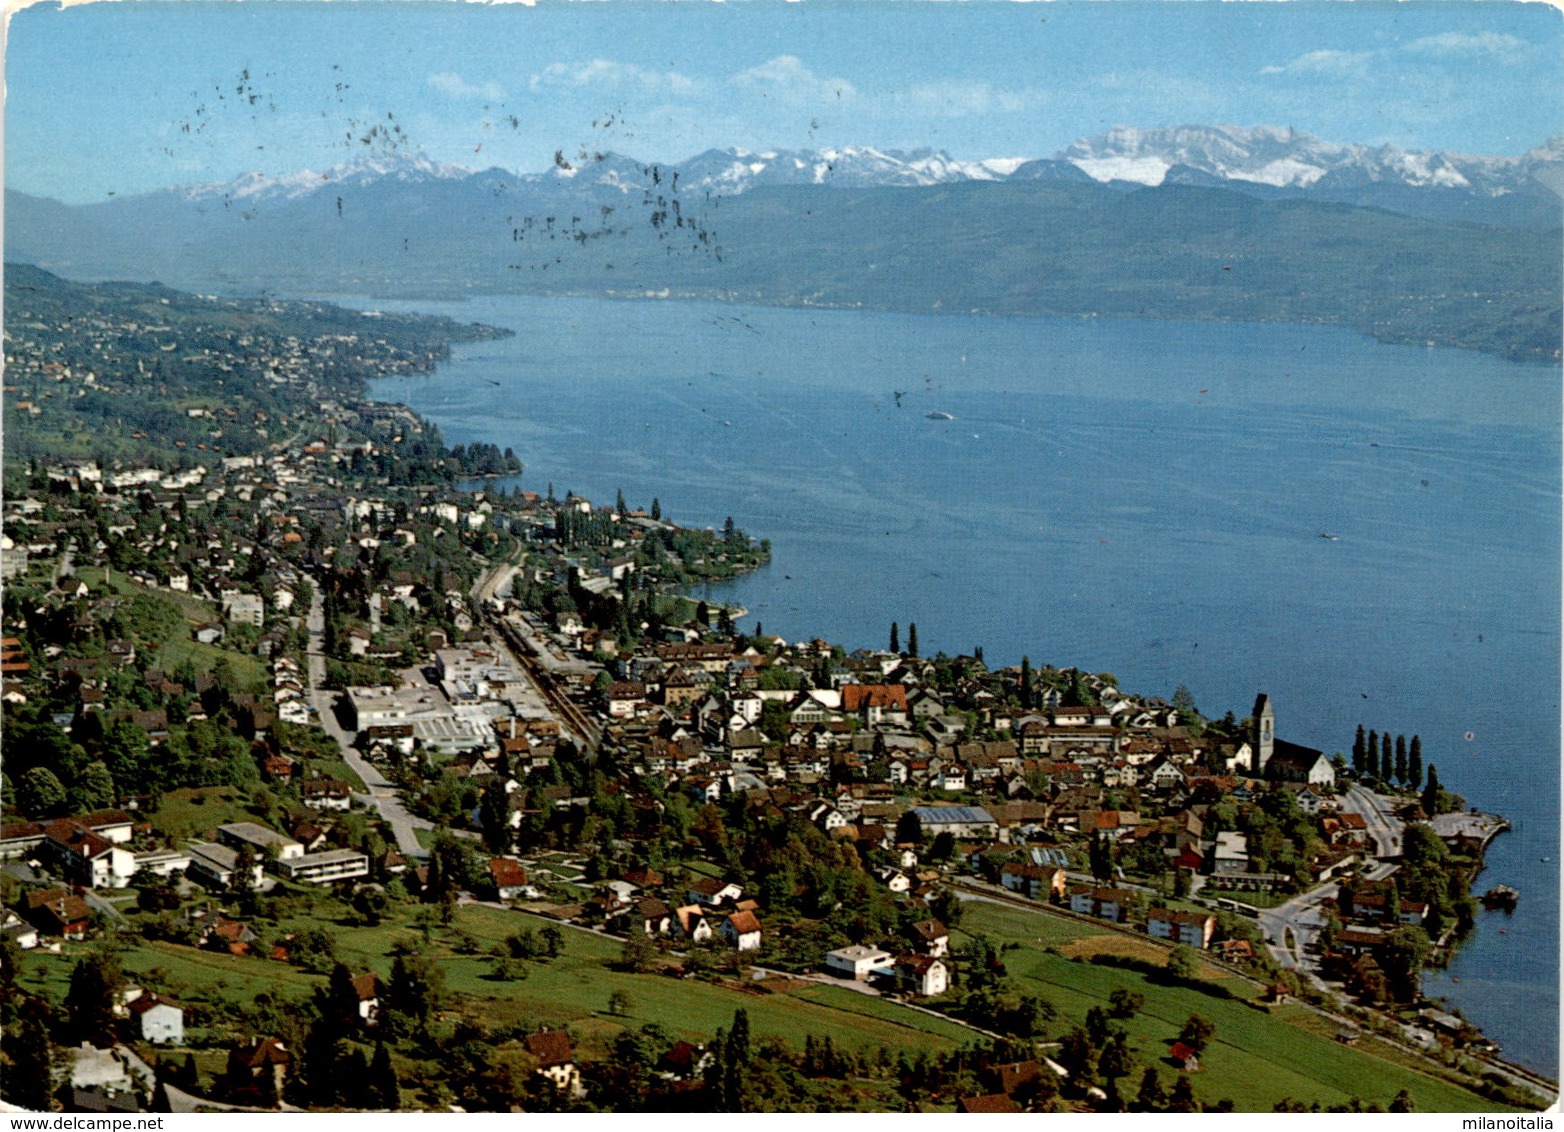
(1501, 896)
(1328, 537)
(938, 415)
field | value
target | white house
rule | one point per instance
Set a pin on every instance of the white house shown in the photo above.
(1191, 928)
(693, 923)
(85, 857)
(161, 1021)
(857, 962)
(714, 893)
(922, 974)
(933, 938)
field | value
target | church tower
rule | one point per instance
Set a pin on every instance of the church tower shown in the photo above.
(1264, 733)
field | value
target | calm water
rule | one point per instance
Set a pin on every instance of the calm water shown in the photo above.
(1140, 498)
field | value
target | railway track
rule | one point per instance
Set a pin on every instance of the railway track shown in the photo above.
(570, 712)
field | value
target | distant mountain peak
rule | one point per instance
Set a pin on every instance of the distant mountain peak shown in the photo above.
(403, 167)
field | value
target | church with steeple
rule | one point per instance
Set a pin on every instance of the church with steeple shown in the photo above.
(1280, 760)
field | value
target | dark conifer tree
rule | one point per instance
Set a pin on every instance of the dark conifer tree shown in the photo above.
(1431, 791)
(1150, 1098)
(382, 1077)
(912, 639)
(1387, 758)
(29, 1082)
(1371, 756)
(494, 814)
(89, 1003)
(895, 637)
(1026, 682)
(1359, 752)
(1415, 764)
(354, 1086)
(657, 509)
(1401, 758)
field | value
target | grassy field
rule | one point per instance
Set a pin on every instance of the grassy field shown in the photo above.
(249, 670)
(336, 768)
(182, 647)
(571, 990)
(197, 811)
(1258, 1055)
(1256, 1058)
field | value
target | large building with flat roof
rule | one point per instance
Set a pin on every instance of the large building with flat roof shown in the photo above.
(324, 867)
(267, 844)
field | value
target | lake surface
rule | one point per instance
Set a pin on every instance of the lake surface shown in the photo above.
(1142, 498)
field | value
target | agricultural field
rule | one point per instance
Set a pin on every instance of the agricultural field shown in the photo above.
(1257, 1056)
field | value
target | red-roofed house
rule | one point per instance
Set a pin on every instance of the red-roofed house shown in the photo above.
(508, 876)
(742, 931)
(86, 858)
(876, 703)
(556, 1058)
(367, 987)
(996, 1102)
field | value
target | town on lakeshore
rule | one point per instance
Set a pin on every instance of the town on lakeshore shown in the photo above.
(342, 775)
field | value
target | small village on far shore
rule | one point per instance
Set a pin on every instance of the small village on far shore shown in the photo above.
(341, 775)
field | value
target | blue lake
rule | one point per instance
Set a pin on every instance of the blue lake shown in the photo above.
(1142, 498)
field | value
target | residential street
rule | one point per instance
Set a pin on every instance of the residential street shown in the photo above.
(382, 793)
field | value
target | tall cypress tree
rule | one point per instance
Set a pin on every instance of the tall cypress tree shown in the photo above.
(912, 638)
(895, 637)
(1415, 764)
(1401, 758)
(1371, 756)
(1359, 752)
(1431, 791)
(1387, 758)
(1026, 682)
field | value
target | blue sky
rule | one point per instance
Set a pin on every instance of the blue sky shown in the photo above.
(125, 97)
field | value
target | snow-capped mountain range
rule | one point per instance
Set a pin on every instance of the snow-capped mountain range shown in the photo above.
(1278, 158)
(1285, 158)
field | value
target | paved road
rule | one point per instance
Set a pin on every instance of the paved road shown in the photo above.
(382, 793)
(1302, 917)
(1383, 826)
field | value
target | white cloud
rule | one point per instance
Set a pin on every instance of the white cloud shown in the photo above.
(1452, 43)
(608, 73)
(1323, 63)
(454, 86)
(1447, 45)
(788, 77)
(966, 99)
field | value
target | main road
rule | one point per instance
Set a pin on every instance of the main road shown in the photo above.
(381, 792)
(1383, 825)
